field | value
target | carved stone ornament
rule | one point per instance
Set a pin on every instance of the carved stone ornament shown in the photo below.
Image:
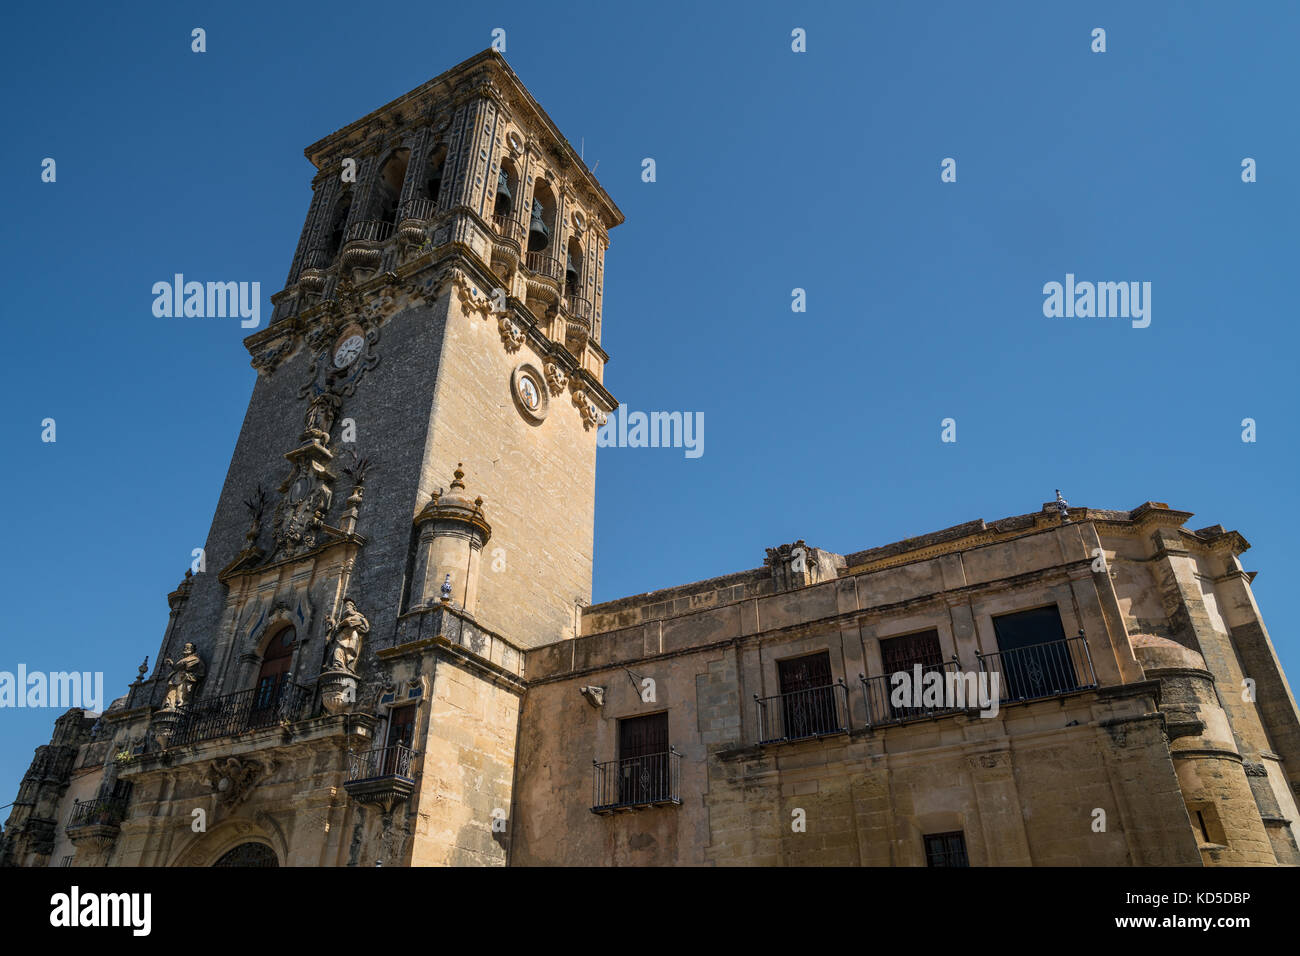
(232, 779)
(592, 416)
(595, 695)
(511, 337)
(555, 378)
(272, 354)
(366, 313)
(305, 500)
(472, 299)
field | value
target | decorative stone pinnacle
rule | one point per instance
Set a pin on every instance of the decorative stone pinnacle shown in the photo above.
(457, 475)
(446, 589)
(1062, 506)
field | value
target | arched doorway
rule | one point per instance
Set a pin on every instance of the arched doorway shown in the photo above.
(249, 854)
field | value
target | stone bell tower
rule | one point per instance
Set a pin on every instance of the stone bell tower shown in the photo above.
(355, 641)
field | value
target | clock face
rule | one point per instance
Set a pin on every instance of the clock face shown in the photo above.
(348, 350)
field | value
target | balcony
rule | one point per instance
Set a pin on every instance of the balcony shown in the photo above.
(507, 228)
(239, 712)
(413, 218)
(96, 821)
(382, 776)
(803, 714)
(506, 245)
(636, 783)
(311, 276)
(361, 247)
(106, 812)
(1036, 671)
(879, 690)
(540, 264)
(577, 319)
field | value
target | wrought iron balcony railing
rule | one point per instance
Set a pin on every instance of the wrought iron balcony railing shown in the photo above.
(418, 209)
(369, 230)
(578, 308)
(636, 782)
(104, 812)
(508, 228)
(543, 265)
(394, 761)
(880, 694)
(802, 714)
(235, 713)
(1042, 670)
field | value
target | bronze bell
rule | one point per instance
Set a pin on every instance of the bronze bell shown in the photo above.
(504, 199)
(570, 273)
(539, 237)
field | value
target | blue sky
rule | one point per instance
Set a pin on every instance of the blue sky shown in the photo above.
(775, 170)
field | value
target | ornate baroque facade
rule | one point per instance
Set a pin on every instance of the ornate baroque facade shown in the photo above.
(396, 662)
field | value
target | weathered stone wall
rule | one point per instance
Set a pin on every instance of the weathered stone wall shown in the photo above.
(537, 482)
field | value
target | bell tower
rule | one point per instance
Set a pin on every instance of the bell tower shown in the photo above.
(443, 310)
(408, 509)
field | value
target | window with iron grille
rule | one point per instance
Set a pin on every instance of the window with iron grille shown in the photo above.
(808, 703)
(902, 654)
(946, 849)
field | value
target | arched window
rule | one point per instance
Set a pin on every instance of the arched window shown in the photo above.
(249, 854)
(338, 224)
(388, 188)
(573, 268)
(273, 677)
(507, 189)
(542, 223)
(433, 175)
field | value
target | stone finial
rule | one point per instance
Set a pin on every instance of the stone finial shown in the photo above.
(446, 589)
(142, 670)
(1062, 507)
(458, 476)
(792, 565)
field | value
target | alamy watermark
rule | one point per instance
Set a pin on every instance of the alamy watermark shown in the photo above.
(61, 689)
(212, 300)
(1102, 300)
(626, 429)
(947, 690)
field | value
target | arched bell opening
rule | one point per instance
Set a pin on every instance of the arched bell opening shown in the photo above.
(503, 205)
(431, 181)
(338, 225)
(388, 187)
(573, 263)
(541, 224)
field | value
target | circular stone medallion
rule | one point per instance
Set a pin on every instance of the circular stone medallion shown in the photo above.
(529, 390)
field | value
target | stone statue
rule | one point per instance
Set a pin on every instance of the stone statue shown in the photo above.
(348, 631)
(321, 413)
(185, 677)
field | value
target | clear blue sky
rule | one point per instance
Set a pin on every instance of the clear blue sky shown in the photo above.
(775, 170)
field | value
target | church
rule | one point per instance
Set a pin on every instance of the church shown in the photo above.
(391, 658)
